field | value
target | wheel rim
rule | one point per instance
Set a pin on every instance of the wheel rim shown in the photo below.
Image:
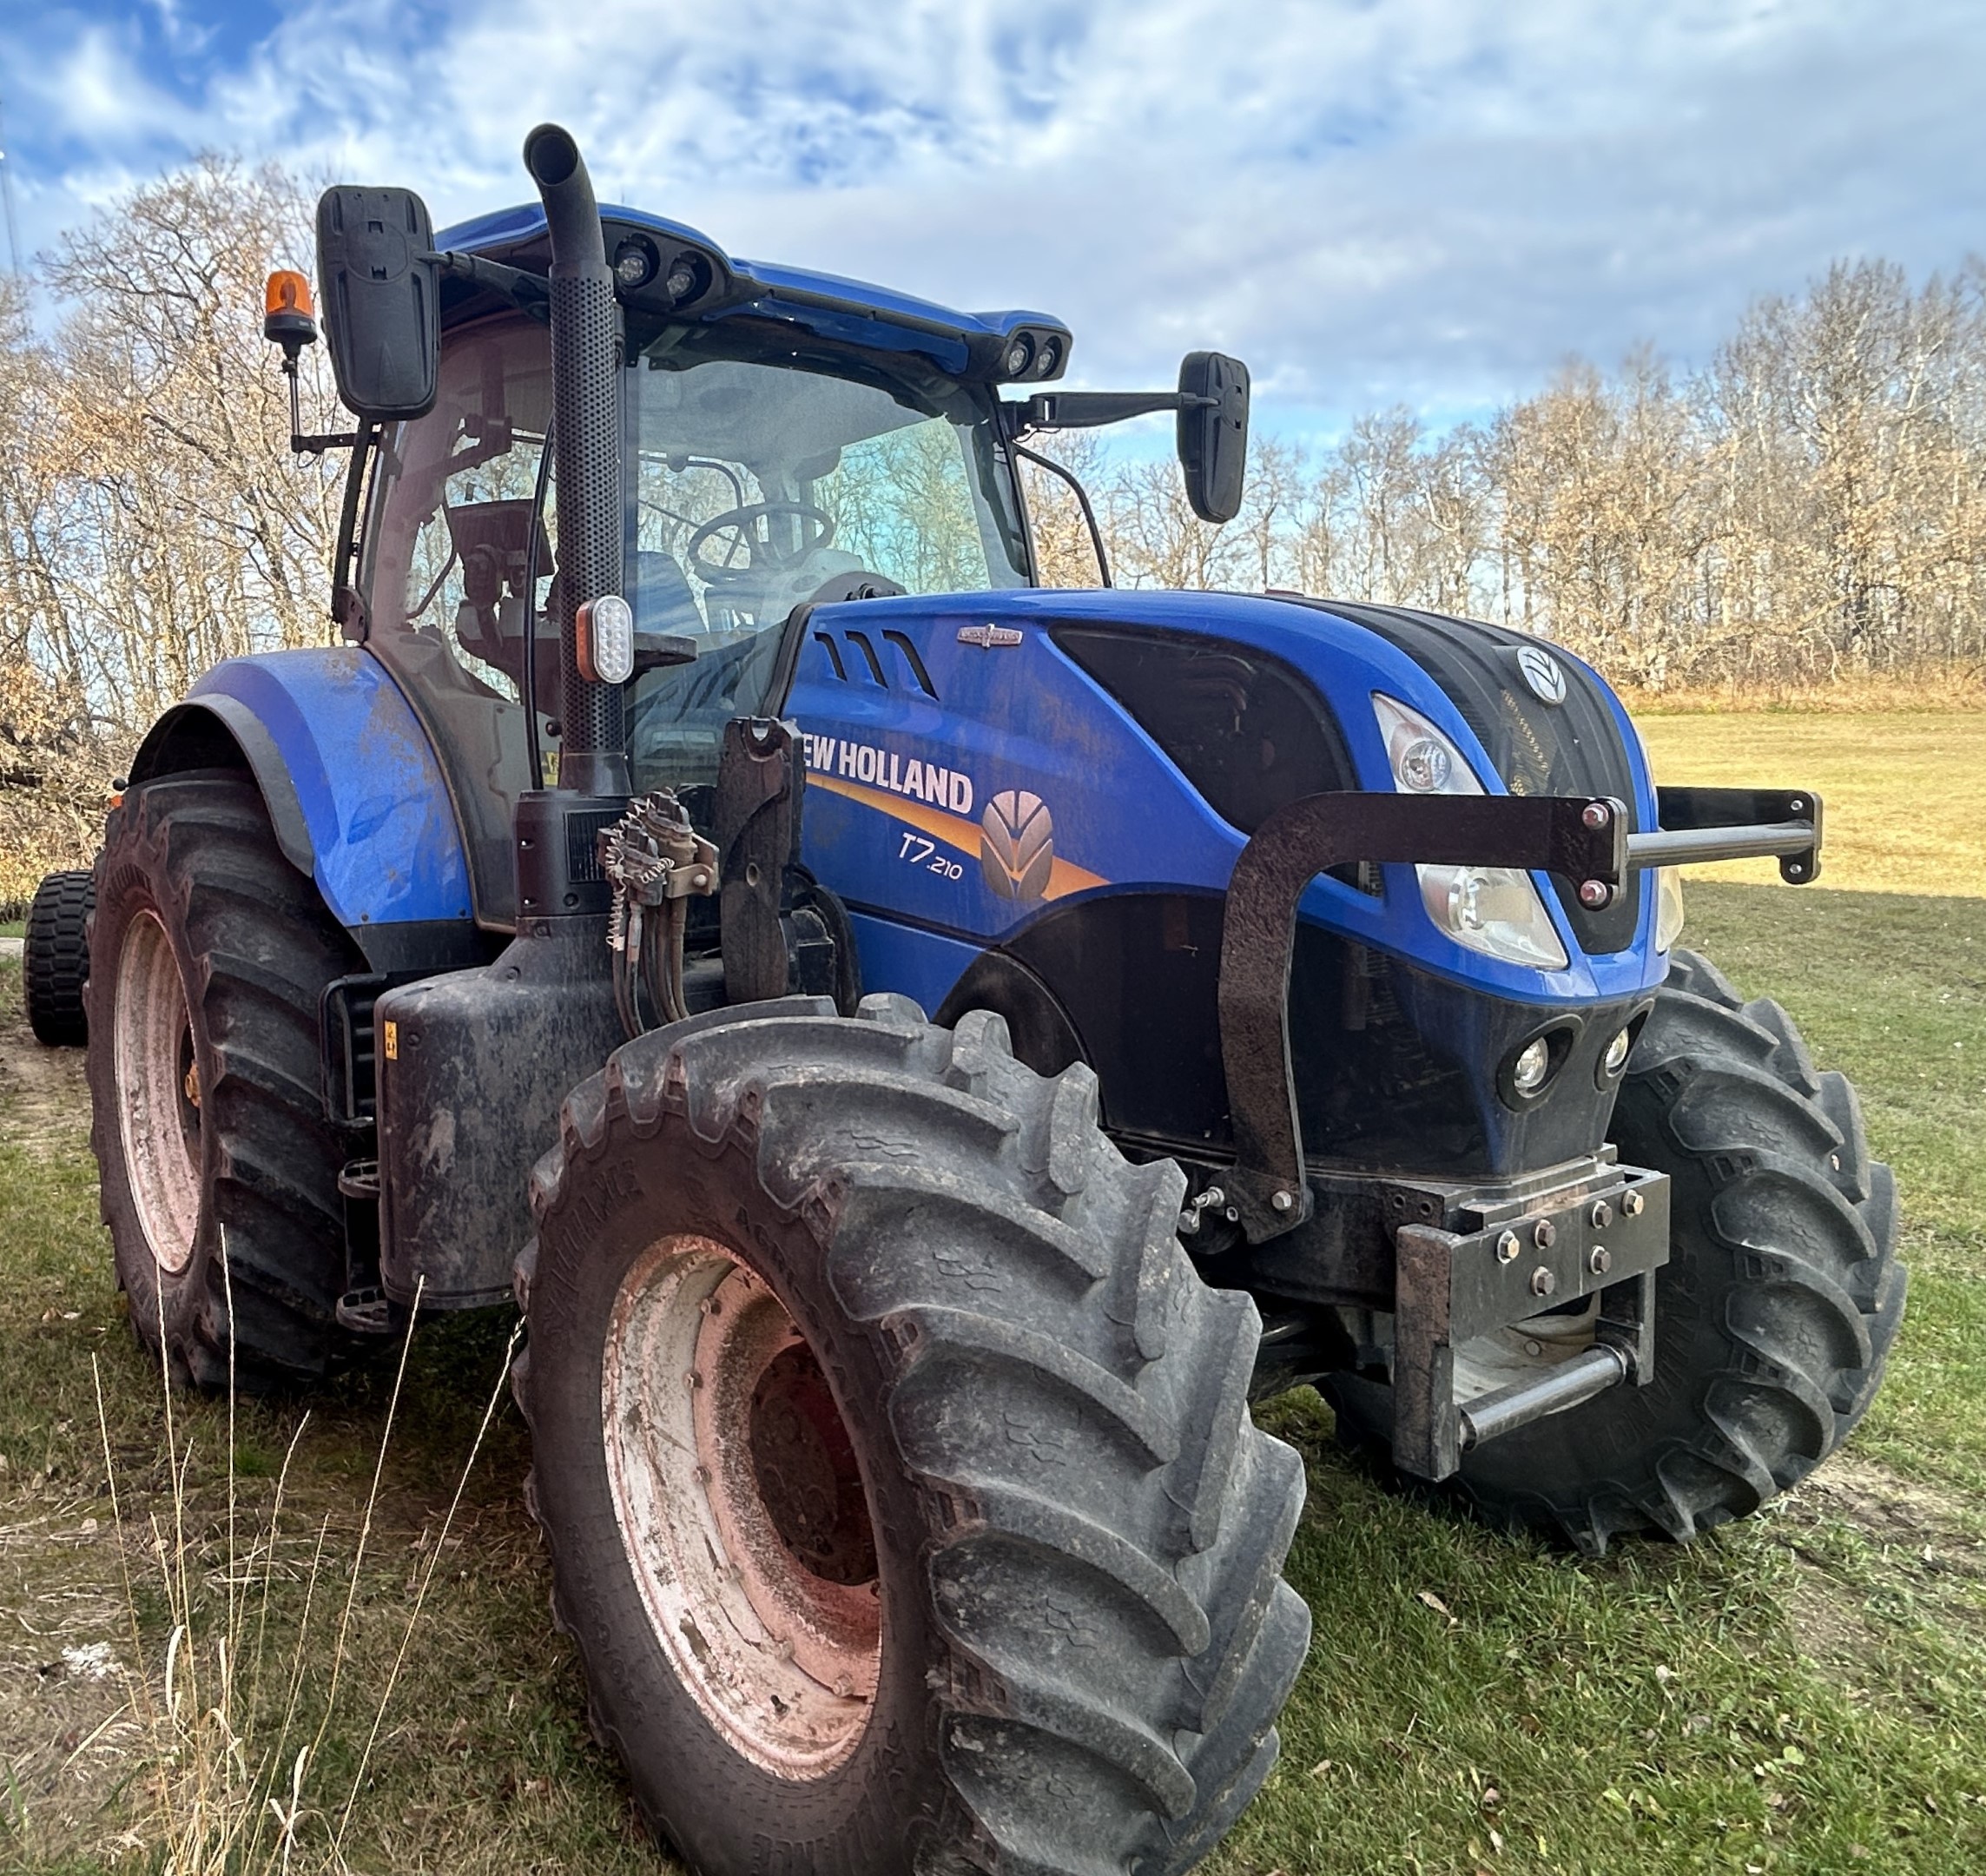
(741, 1508)
(158, 1086)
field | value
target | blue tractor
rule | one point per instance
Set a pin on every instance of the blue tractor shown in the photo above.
(925, 1051)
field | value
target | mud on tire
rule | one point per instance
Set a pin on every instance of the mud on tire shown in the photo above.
(1775, 1314)
(209, 948)
(55, 959)
(1079, 1638)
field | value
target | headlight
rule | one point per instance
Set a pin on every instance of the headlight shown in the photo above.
(1668, 906)
(1424, 761)
(1496, 910)
(1533, 1066)
(1492, 909)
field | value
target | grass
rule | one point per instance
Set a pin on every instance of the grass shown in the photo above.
(1803, 1692)
(482, 1762)
(1904, 795)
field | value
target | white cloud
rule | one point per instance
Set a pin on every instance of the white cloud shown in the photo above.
(96, 92)
(1428, 200)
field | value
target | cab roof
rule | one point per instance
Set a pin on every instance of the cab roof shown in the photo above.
(829, 304)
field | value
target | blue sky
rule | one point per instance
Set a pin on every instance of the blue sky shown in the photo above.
(1426, 201)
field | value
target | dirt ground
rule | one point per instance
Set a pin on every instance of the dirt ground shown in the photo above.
(43, 1098)
(66, 1731)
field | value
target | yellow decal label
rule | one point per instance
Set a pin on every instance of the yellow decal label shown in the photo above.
(390, 1040)
(966, 836)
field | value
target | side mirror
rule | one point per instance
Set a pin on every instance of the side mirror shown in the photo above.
(381, 282)
(1213, 433)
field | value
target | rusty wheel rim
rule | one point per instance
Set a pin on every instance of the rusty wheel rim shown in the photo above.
(158, 1083)
(741, 1508)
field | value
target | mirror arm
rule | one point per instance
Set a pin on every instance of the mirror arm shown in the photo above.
(301, 445)
(1090, 409)
(530, 292)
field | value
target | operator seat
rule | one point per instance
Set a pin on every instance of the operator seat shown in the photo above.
(662, 597)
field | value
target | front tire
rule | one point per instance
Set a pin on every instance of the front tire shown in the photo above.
(896, 1469)
(1774, 1316)
(208, 954)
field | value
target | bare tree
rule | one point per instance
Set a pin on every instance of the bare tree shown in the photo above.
(1064, 552)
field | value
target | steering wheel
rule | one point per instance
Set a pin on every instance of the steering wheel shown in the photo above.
(749, 527)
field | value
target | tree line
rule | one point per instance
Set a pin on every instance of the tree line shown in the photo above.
(152, 519)
(1811, 503)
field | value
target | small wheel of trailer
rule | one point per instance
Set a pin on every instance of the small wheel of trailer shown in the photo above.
(896, 1469)
(208, 954)
(1773, 1317)
(55, 959)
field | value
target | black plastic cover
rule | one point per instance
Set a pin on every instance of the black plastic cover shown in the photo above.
(1248, 731)
(381, 290)
(1213, 438)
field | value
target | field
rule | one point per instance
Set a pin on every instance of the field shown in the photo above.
(1803, 1692)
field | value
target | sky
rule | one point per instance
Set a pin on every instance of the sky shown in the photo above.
(1427, 202)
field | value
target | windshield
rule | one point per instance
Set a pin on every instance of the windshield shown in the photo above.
(757, 477)
(762, 476)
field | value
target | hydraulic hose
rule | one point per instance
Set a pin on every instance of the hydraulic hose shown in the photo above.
(585, 363)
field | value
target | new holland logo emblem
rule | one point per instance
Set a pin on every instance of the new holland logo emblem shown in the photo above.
(988, 637)
(1017, 844)
(1543, 673)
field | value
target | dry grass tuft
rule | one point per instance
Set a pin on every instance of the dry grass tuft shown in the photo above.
(232, 1782)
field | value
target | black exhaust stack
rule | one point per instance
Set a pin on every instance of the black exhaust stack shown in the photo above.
(585, 347)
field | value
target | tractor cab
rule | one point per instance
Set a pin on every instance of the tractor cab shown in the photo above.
(784, 440)
(765, 471)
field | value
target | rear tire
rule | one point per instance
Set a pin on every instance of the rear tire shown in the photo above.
(1774, 1316)
(208, 954)
(55, 959)
(1074, 1637)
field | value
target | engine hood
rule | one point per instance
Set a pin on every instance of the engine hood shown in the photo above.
(1531, 716)
(1007, 695)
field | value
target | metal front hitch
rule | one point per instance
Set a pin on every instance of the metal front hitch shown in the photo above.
(1598, 1240)
(1603, 1242)
(1585, 839)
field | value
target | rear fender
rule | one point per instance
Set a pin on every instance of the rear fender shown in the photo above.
(354, 793)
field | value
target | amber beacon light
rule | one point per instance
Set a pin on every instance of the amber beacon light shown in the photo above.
(288, 318)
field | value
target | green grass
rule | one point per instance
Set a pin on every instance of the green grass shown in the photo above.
(1637, 1713)
(1803, 1692)
(1904, 794)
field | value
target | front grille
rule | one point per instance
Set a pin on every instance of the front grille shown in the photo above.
(1249, 733)
(1571, 747)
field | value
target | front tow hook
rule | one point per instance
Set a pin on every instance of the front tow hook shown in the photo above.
(1569, 1382)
